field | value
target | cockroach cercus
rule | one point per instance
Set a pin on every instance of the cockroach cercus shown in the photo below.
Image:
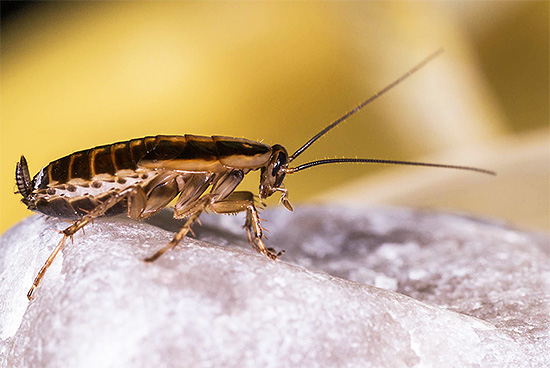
(141, 176)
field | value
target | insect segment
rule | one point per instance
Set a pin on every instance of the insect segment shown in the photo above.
(141, 176)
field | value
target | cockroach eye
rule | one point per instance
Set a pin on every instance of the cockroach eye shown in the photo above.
(281, 160)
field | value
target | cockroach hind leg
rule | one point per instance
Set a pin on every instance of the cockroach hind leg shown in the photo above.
(44, 268)
(71, 230)
(31, 292)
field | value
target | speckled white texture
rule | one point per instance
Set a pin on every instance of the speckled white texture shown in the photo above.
(462, 292)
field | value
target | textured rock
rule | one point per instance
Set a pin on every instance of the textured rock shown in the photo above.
(448, 291)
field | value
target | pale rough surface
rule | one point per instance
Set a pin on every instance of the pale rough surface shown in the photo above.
(458, 291)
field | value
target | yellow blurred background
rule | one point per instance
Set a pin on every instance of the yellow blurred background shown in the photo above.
(80, 74)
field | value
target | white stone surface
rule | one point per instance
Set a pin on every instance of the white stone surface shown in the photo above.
(460, 292)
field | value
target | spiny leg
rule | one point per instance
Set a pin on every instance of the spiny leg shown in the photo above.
(244, 201)
(79, 224)
(197, 210)
(46, 265)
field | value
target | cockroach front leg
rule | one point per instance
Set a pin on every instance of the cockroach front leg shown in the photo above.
(137, 199)
(244, 201)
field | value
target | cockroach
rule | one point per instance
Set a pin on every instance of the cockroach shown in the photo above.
(141, 176)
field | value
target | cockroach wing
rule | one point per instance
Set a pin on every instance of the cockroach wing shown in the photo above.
(241, 153)
(216, 154)
(187, 153)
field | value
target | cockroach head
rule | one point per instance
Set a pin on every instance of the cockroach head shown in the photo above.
(273, 174)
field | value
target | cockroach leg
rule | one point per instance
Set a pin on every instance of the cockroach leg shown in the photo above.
(197, 210)
(79, 224)
(235, 202)
(254, 232)
(244, 201)
(45, 267)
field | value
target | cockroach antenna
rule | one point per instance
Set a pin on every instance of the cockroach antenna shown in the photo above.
(390, 86)
(299, 151)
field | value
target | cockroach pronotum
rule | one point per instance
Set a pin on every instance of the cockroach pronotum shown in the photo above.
(141, 176)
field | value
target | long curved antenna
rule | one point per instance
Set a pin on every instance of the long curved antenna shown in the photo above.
(307, 165)
(365, 103)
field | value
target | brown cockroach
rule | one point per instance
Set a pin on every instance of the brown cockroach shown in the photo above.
(141, 176)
